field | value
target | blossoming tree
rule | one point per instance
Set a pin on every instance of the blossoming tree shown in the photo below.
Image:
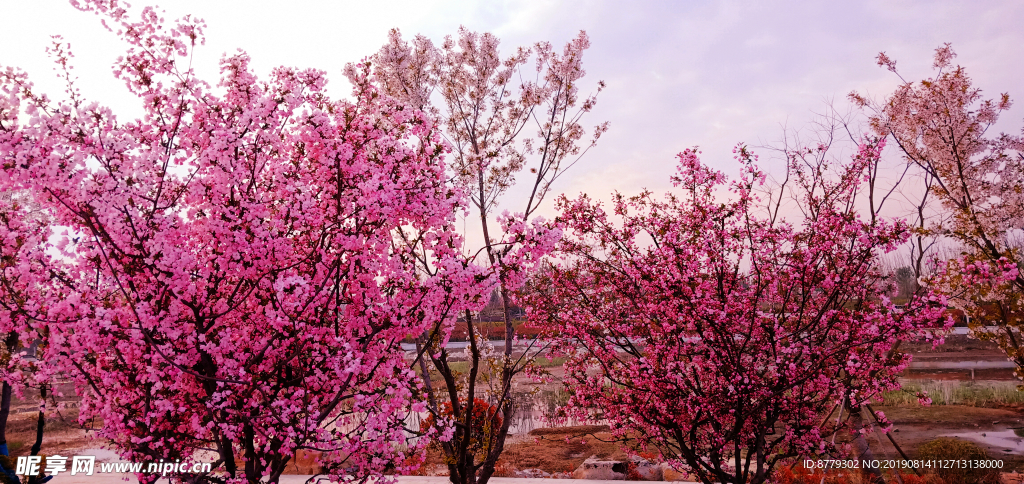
(941, 125)
(500, 119)
(721, 336)
(237, 268)
(24, 274)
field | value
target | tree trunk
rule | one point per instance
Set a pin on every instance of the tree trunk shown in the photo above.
(427, 384)
(11, 342)
(5, 411)
(861, 447)
(40, 424)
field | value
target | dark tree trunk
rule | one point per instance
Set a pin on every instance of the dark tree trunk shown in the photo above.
(11, 342)
(40, 425)
(5, 411)
(861, 447)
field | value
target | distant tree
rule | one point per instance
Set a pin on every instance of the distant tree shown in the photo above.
(906, 283)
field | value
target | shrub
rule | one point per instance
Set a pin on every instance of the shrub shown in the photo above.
(925, 479)
(486, 418)
(799, 474)
(945, 448)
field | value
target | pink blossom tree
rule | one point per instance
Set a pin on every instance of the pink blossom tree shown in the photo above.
(941, 125)
(718, 335)
(237, 268)
(500, 119)
(24, 282)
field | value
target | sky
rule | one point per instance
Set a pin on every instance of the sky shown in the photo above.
(678, 73)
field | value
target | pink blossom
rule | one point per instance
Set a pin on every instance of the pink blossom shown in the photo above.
(700, 326)
(238, 266)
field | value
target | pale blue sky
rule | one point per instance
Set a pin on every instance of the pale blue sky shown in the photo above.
(679, 73)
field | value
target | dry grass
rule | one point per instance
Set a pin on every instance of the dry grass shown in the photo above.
(967, 393)
(562, 449)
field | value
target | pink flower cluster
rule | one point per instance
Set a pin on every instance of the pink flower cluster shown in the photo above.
(717, 335)
(235, 270)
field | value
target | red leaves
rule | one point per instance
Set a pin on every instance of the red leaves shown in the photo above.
(484, 420)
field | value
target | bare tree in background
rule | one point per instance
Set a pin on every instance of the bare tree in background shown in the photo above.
(506, 123)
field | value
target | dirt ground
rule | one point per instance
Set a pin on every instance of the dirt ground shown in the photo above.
(558, 451)
(916, 425)
(62, 432)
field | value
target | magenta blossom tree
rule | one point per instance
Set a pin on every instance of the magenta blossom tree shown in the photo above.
(702, 328)
(234, 270)
(24, 282)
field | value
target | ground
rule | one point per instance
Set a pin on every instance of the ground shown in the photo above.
(987, 405)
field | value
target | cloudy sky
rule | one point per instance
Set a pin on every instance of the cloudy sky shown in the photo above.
(678, 74)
